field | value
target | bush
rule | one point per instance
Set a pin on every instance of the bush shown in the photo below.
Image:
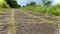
(53, 10)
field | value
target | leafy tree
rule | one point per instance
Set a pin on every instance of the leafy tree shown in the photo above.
(46, 2)
(57, 6)
(3, 4)
(31, 4)
(12, 3)
(23, 6)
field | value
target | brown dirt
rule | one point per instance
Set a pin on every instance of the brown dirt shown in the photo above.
(27, 24)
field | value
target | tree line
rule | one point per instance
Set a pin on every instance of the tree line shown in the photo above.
(44, 2)
(9, 4)
(13, 3)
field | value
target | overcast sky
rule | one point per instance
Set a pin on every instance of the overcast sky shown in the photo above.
(24, 2)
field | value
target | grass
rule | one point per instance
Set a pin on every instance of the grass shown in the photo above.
(44, 20)
(53, 10)
(12, 29)
(2, 10)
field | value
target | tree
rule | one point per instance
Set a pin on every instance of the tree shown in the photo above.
(31, 4)
(57, 6)
(3, 4)
(46, 2)
(12, 3)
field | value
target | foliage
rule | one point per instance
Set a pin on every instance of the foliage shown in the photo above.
(31, 4)
(53, 10)
(9, 3)
(3, 4)
(12, 3)
(46, 2)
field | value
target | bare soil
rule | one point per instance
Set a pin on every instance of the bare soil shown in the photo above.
(28, 22)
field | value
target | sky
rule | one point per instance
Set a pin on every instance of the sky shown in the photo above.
(24, 2)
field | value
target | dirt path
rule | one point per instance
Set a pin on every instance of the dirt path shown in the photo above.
(15, 21)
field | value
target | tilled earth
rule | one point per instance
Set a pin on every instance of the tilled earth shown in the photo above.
(28, 22)
(4, 20)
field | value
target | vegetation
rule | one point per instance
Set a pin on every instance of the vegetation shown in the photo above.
(12, 3)
(53, 10)
(3, 4)
(46, 2)
(31, 4)
(46, 8)
(9, 4)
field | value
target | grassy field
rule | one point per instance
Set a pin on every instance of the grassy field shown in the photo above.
(52, 10)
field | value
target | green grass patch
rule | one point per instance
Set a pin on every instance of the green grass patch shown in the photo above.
(3, 10)
(52, 10)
